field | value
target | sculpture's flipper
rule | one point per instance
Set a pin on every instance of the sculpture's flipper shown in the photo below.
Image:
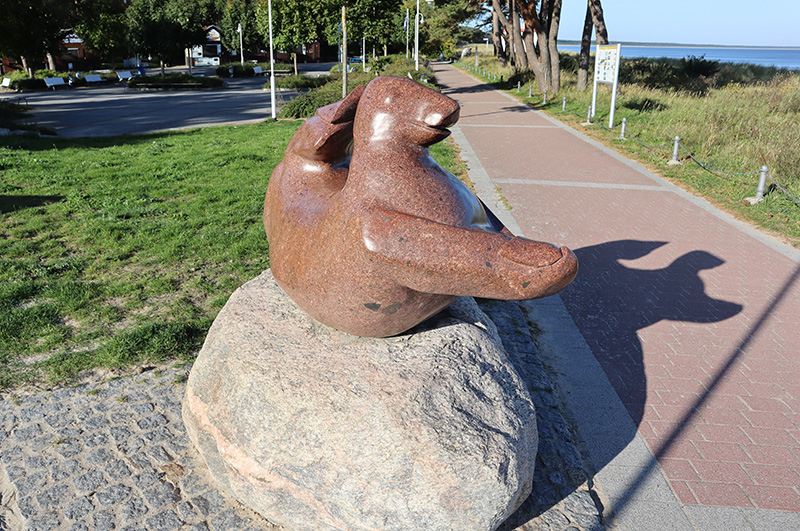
(343, 110)
(325, 137)
(466, 262)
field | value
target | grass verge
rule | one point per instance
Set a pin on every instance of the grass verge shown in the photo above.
(119, 251)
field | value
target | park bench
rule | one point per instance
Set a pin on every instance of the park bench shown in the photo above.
(258, 71)
(93, 78)
(54, 82)
(6, 83)
(125, 75)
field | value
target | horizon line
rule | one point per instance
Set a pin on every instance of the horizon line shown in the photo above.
(571, 42)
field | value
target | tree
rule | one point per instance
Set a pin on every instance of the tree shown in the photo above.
(231, 13)
(539, 54)
(497, 38)
(164, 28)
(101, 25)
(594, 18)
(296, 22)
(34, 29)
(441, 31)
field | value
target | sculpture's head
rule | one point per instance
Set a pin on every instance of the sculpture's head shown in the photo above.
(397, 109)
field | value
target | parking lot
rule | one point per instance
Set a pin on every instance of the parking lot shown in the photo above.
(114, 109)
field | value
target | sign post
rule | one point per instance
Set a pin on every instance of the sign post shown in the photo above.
(606, 70)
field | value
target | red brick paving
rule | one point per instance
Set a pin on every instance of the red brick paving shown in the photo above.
(670, 298)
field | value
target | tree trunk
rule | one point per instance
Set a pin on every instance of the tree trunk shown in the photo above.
(294, 58)
(497, 39)
(520, 61)
(599, 23)
(51, 62)
(515, 50)
(541, 73)
(28, 70)
(586, 44)
(552, 41)
(161, 60)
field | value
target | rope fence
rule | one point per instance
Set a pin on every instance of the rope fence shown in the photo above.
(763, 172)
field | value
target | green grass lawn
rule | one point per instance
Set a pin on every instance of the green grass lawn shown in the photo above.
(122, 250)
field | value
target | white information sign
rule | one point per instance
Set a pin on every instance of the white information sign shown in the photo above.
(606, 70)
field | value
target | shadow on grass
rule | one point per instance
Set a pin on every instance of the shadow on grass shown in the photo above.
(99, 142)
(10, 203)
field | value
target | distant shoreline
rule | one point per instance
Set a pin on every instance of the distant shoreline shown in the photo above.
(567, 42)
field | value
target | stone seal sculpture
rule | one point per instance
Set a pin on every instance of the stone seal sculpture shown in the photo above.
(376, 243)
(318, 430)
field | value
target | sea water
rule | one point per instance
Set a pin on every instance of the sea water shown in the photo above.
(778, 57)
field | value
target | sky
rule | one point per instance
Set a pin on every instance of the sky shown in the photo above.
(726, 22)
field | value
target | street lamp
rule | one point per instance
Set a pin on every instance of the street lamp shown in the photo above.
(416, 39)
(271, 62)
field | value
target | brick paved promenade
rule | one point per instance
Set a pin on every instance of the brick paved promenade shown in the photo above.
(690, 316)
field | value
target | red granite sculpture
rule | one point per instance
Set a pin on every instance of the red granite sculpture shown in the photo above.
(374, 243)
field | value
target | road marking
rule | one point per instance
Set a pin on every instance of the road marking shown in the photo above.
(581, 184)
(509, 125)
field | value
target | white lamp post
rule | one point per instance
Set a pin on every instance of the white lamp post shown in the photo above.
(271, 62)
(241, 42)
(416, 38)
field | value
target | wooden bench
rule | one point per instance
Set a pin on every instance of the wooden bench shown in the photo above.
(93, 78)
(124, 75)
(54, 82)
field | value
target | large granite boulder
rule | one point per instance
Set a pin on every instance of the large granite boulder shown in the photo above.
(318, 430)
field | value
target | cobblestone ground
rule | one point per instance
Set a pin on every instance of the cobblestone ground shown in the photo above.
(114, 455)
(561, 498)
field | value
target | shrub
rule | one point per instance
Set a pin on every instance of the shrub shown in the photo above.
(248, 69)
(298, 82)
(304, 106)
(11, 113)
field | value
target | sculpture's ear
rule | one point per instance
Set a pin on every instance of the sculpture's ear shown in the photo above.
(344, 110)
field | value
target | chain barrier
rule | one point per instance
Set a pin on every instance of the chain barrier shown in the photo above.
(715, 170)
(782, 189)
(662, 146)
(580, 115)
(689, 154)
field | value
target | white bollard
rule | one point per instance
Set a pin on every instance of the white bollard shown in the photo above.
(763, 173)
(762, 182)
(544, 100)
(518, 85)
(530, 90)
(624, 126)
(564, 104)
(674, 160)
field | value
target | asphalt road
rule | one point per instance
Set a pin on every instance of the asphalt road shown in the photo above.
(116, 110)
